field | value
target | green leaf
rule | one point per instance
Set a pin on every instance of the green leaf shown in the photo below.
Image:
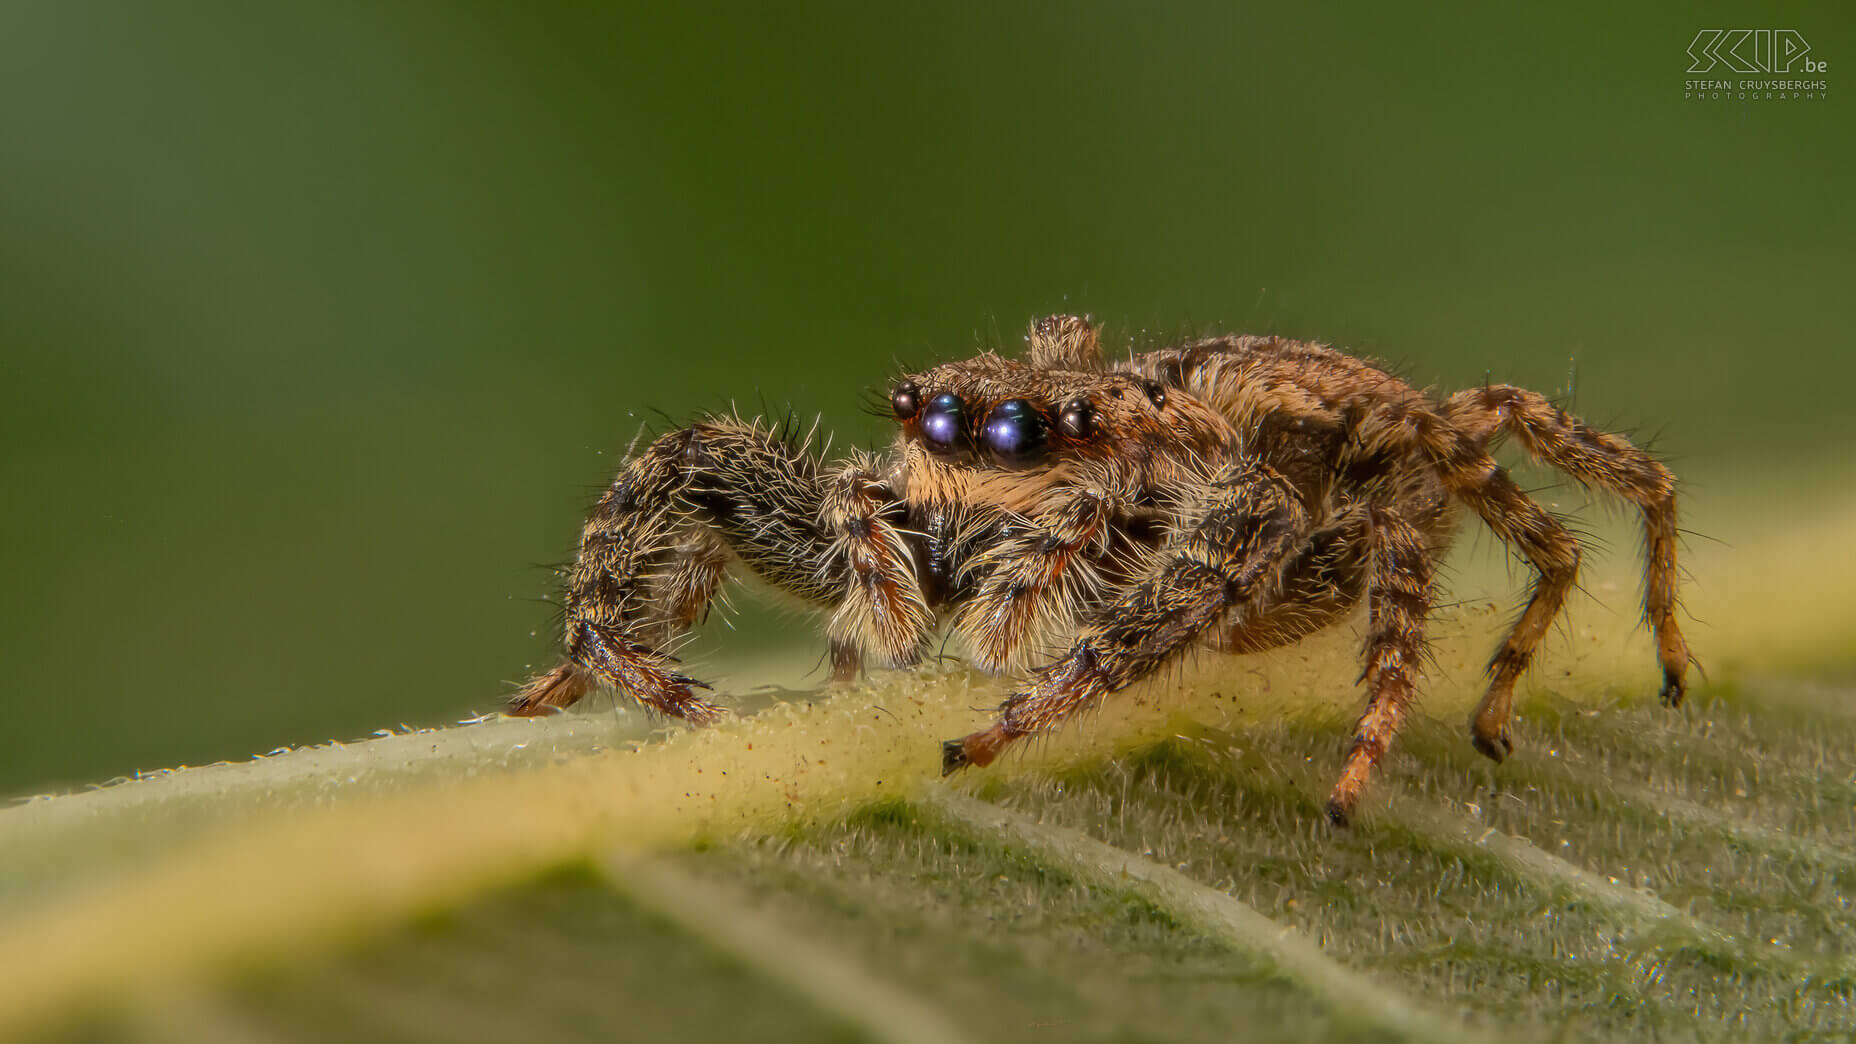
(1161, 870)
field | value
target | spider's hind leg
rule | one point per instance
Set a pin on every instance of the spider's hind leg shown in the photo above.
(1606, 462)
(1474, 477)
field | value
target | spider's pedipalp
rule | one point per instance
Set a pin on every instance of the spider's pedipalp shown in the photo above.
(1031, 585)
(881, 609)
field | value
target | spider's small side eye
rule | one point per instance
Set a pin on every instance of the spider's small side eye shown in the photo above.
(906, 400)
(944, 422)
(1156, 392)
(1014, 432)
(1078, 419)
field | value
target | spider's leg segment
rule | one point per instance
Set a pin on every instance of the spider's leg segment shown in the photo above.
(1032, 581)
(657, 544)
(1473, 476)
(1229, 561)
(1398, 596)
(881, 608)
(1607, 462)
(1316, 587)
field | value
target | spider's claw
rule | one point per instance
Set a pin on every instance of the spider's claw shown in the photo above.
(1674, 688)
(954, 757)
(1496, 747)
(978, 749)
(688, 682)
(1338, 814)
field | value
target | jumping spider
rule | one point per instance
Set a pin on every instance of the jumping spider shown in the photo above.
(1235, 492)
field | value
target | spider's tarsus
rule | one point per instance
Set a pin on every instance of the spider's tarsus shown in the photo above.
(954, 757)
(1674, 689)
(1337, 813)
(1496, 748)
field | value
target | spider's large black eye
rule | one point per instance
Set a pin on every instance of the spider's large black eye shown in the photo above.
(1014, 432)
(944, 421)
(1078, 419)
(906, 400)
(1156, 393)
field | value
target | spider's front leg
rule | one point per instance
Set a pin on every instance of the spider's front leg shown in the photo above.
(658, 543)
(880, 605)
(1229, 561)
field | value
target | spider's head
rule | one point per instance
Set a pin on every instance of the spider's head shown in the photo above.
(1026, 423)
(999, 413)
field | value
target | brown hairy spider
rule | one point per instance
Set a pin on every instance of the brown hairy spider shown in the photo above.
(1235, 492)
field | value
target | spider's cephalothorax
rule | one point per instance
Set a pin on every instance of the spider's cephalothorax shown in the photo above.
(1088, 523)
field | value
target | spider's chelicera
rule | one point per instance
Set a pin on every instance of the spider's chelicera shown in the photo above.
(1085, 524)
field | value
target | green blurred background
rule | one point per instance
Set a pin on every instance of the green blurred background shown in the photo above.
(321, 323)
